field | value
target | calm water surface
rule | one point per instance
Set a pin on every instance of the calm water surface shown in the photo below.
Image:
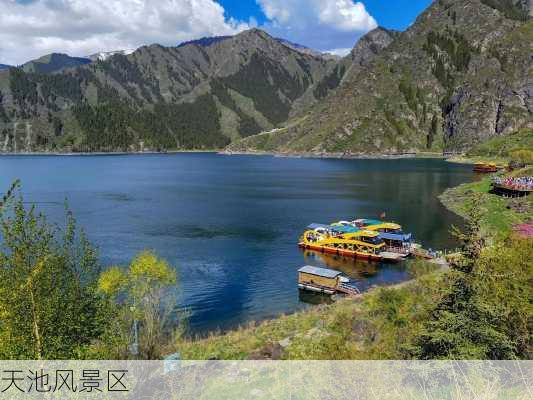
(230, 224)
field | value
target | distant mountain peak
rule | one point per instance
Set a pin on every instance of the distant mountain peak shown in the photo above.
(104, 55)
(255, 33)
(54, 62)
(204, 41)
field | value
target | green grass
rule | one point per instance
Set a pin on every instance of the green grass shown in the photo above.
(501, 147)
(499, 214)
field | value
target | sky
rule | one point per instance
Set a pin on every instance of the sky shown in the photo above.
(32, 28)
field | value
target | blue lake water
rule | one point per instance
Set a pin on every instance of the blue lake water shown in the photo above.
(230, 224)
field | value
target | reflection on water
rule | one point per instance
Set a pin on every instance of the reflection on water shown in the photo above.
(230, 225)
(313, 298)
(365, 274)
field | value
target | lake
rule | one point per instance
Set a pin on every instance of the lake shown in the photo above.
(230, 224)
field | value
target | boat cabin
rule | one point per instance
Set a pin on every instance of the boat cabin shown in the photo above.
(327, 278)
(324, 280)
(391, 233)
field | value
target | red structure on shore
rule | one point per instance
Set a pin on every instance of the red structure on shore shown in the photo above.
(524, 230)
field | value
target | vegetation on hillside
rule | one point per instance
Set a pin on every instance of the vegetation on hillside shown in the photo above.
(456, 78)
(502, 147)
(510, 8)
(159, 98)
(250, 81)
(117, 126)
(485, 309)
(247, 125)
(330, 82)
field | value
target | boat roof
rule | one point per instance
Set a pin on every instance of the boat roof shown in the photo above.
(317, 226)
(323, 272)
(368, 221)
(344, 229)
(406, 237)
(361, 233)
(387, 225)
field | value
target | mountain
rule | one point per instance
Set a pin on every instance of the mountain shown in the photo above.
(54, 62)
(187, 97)
(307, 50)
(208, 41)
(103, 56)
(365, 50)
(4, 66)
(460, 75)
(205, 41)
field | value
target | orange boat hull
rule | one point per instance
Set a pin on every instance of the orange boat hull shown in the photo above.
(340, 252)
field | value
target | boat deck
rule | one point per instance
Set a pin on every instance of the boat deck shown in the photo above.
(389, 256)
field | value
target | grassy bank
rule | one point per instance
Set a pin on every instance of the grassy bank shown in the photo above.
(498, 214)
(375, 326)
(499, 150)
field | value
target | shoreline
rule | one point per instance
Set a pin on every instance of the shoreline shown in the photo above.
(340, 155)
(303, 155)
(104, 153)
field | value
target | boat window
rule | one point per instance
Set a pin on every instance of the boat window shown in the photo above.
(376, 240)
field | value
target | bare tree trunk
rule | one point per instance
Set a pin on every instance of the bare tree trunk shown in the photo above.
(36, 332)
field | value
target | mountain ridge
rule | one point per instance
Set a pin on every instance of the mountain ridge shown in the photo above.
(53, 62)
(156, 97)
(444, 84)
(461, 74)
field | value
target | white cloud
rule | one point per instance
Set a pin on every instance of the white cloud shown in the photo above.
(32, 28)
(340, 52)
(320, 24)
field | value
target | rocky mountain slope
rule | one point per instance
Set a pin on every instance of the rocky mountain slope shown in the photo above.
(460, 75)
(54, 62)
(195, 96)
(104, 55)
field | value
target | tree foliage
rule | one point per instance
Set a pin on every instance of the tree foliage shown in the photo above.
(269, 85)
(49, 307)
(247, 125)
(119, 126)
(140, 291)
(485, 310)
(56, 304)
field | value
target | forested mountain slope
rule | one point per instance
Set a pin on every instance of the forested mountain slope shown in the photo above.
(461, 74)
(54, 62)
(194, 96)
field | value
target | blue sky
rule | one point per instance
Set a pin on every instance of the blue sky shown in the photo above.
(32, 28)
(392, 14)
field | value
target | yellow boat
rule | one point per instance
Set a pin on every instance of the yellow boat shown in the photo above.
(363, 244)
(484, 167)
(392, 234)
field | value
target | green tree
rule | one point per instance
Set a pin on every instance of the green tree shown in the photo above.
(141, 291)
(49, 306)
(470, 321)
